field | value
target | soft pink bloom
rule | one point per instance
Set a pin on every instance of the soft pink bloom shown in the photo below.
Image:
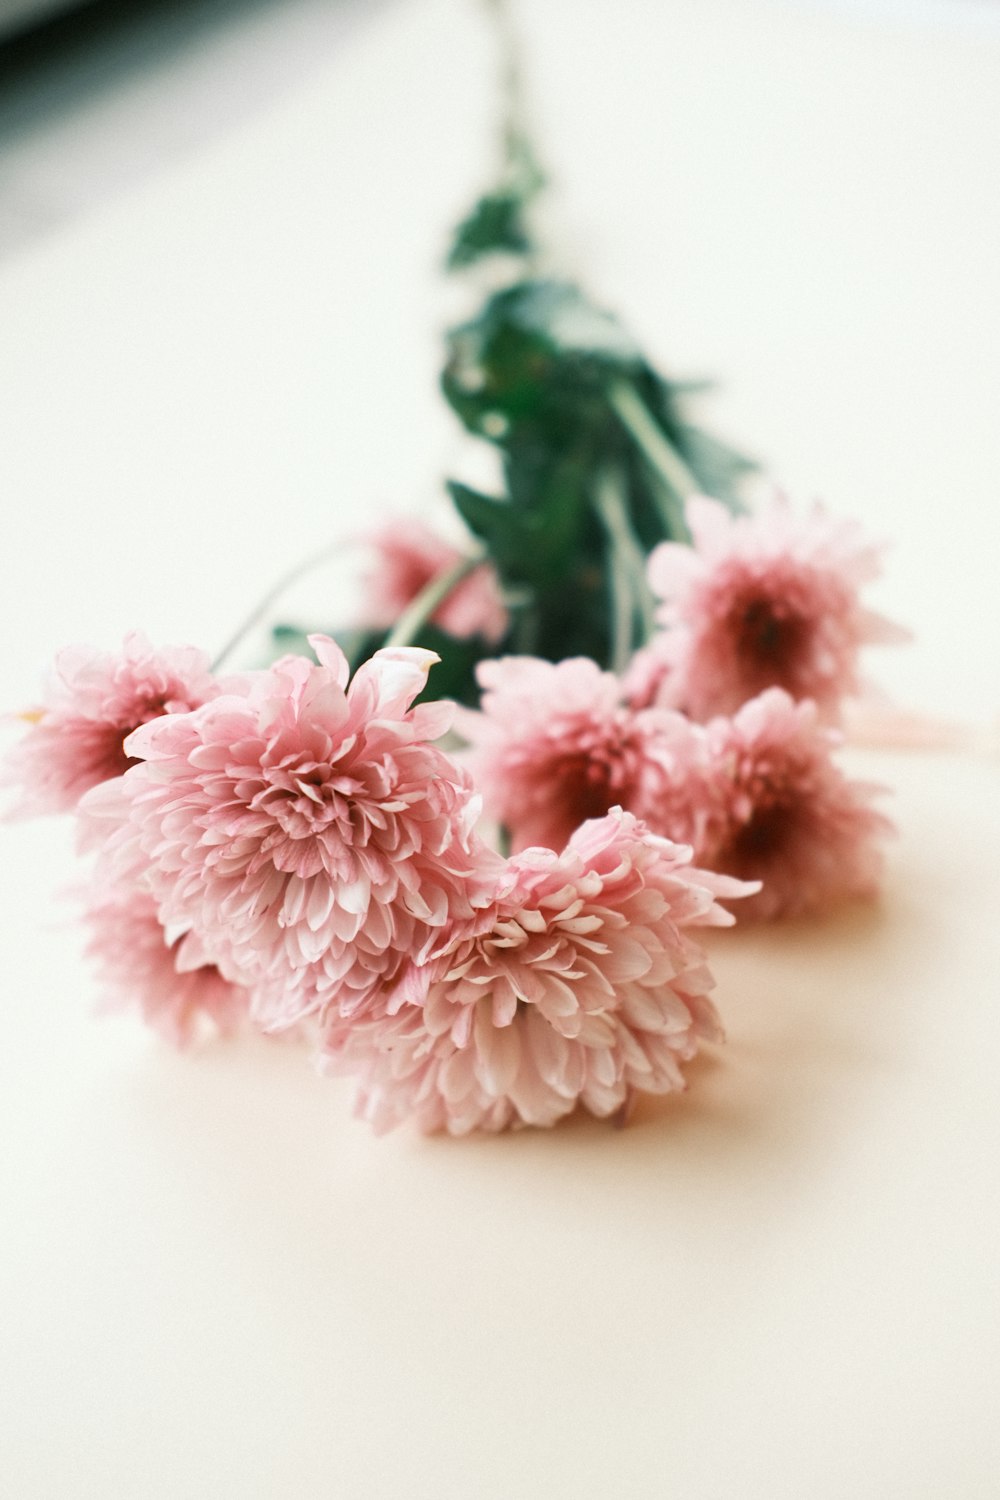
(581, 987)
(143, 972)
(305, 831)
(76, 738)
(779, 810)
(553, 745)
(408, 556)
(770, 600)
(645, 682)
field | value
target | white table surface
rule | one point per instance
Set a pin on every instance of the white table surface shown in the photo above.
(212, 1280)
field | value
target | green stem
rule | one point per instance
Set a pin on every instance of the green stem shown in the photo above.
(630, 595)
(417, 613)
(260, 610)
(678, 482)
(520, 157)
(614, 513)
(525, 631)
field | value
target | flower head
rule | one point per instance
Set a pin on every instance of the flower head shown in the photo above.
(580, 986)
(166, 983)
(305, 831)
(76, 738)
(553, 745)
(408, 556)
(779, 810)
(763, 601)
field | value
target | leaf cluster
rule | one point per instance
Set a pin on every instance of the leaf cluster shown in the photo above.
(564, 393)
(597, 452)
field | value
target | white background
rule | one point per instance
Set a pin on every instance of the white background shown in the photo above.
(781, 1285)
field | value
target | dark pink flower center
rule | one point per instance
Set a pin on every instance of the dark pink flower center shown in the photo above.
(770, 638)
(759, 839)
(584, 784)
(143, 711)
(589, 785)
(101, 748)
(767, 838)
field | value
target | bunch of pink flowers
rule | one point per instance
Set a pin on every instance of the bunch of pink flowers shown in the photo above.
(295, 849)
(722, 733)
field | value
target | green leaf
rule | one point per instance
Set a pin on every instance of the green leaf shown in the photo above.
(290, 640)
(538, 352)
(564, 317)
(527, 545)
(717, 465)
(495, 226)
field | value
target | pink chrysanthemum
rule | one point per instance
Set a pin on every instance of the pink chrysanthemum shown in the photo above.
(76, 738)
(645, 683)
(166, 983)
(770, 600)
(779, 810)
(553, 745)
(581, 988)
(306, 831)
(409, 556)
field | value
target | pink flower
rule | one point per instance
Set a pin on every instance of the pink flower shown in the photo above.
(581, 987)
(142, 971)
(76, 739)
(553, 745)
(780, 811)
(763, 601)
(304, 831)
(645, 682)
(409, 555)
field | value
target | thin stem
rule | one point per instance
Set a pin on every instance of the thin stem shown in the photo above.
(623, 575)
(660, 454)
(516, 135)
(314, 560)
(419, 610)
(611, 498)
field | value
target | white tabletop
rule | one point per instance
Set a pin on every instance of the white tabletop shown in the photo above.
(213, 1281)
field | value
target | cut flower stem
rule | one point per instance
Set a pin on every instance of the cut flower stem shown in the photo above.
(314, 560)
(677, 481)
(632, 601)
(419, 611)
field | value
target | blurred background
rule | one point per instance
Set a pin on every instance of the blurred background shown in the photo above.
(97, 95)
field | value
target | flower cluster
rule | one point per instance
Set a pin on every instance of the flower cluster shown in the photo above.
(294, 848)
(554, 744)
(721, 732)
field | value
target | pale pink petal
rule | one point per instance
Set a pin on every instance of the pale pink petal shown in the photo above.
(166, 982)
(76, 738)
(554, 745)
(778, 809)
(609, 992)
(769, 600)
